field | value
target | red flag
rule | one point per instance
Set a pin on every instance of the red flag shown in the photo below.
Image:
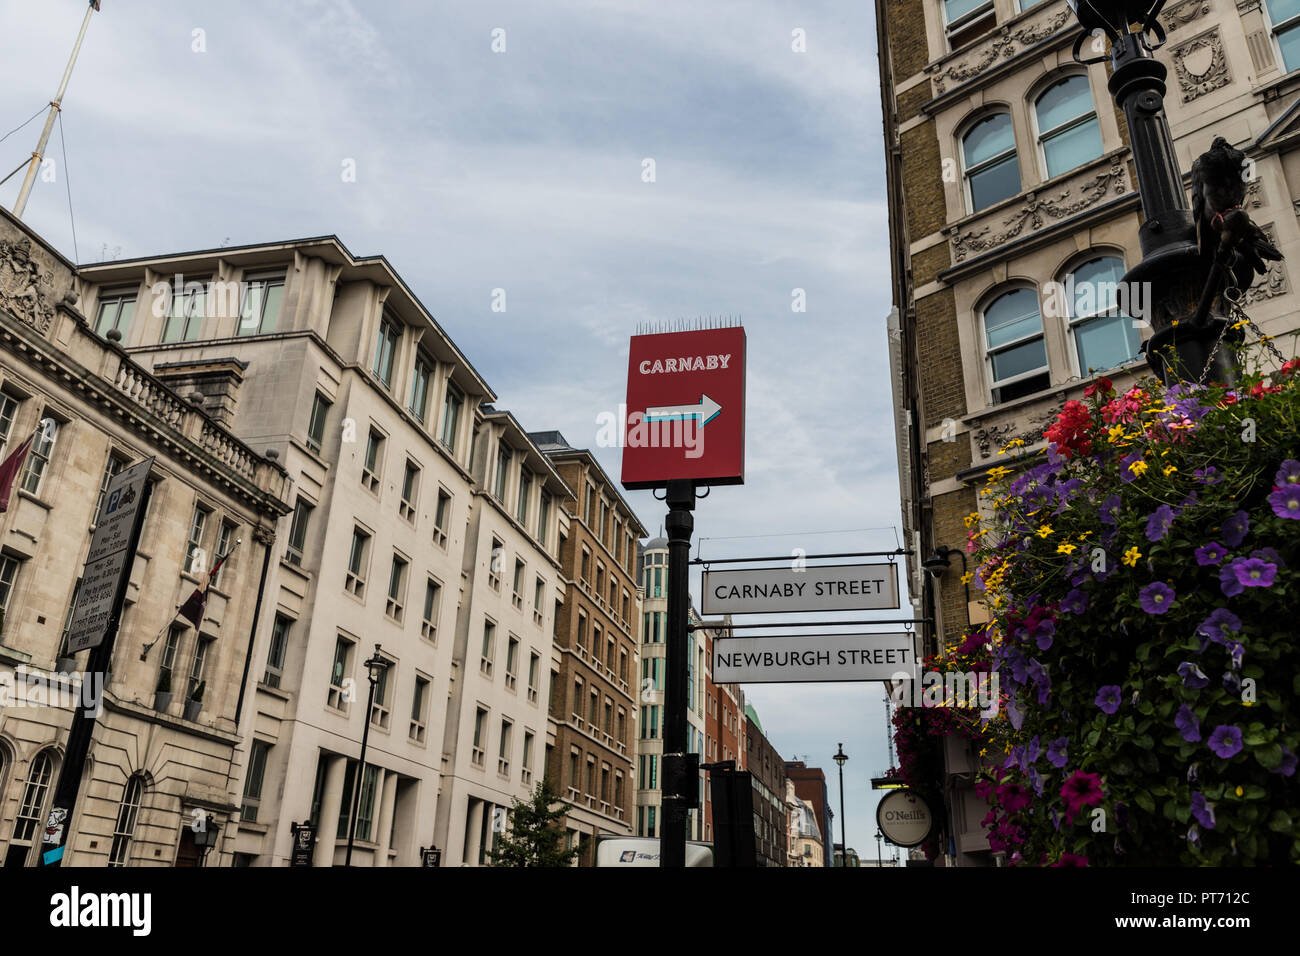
(95, 4)
(194, 606)
(9, 471)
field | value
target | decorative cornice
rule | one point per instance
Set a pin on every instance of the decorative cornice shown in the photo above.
(1002, 46)
(1035, 211)
(1214, 76)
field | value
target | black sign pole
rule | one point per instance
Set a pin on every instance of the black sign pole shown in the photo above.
(677, 788)
(83, 721)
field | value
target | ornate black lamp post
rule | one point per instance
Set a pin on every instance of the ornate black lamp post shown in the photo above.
(375, 666)
(1172, 264)
(840, 757)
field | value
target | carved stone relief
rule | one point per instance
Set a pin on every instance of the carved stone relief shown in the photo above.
(1002, 46)
(26, 291)
(1181, 14)
(1201, 65)
(1272, 283)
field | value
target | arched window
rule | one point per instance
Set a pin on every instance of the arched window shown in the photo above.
(126, 814)
(1067, 125)
(1016, 355)
(1104, 336)
(1284, 15)
(30, 820)
(989, 159)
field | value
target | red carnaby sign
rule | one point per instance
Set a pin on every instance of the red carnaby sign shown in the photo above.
(685, 415)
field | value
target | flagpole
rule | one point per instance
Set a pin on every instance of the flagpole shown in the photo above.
(144, 652)
(55, 107)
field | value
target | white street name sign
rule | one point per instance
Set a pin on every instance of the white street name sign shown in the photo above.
(799, 658)
(839, 587)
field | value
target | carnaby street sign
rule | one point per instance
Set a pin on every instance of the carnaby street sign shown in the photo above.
(841, 587)
(685, 408)
(799, 658)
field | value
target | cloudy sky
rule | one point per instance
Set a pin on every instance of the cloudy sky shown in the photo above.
(192, 124)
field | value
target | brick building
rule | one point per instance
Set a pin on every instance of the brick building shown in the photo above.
(597, 631)
(1007, 167)
(771, 812)
(810, 786)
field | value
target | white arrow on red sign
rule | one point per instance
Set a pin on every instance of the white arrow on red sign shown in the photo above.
(706, 410)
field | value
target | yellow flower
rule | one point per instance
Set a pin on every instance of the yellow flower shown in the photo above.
(1044, 531)
(1131, 557)
(1169, 470)
(1139, 468)
(1247, 703)
(971, 518)
(998, 473)
(1115, 432)
(1064, 548)
(966, 578)
(1241, 792)
(983, 751)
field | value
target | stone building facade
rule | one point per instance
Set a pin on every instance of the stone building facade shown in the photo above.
(160, 762)
(597, 635)
(1007, 169)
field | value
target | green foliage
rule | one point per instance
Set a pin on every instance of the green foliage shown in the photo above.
(535, 836)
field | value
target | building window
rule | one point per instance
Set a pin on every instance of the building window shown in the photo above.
(1284, 15)
(582, 630)
(1104, 337)
(526, 763)
(397, 588)
(112, 468)
(989, 159)
(320, 409)
(31, 816)
(381, 705)
(38, 458)
(127, 811)
(544, 518)
(410, 491)
(451, 406)
(489, 648)
(517, 584)
(967, 20)
(419, 403)
(253, 782)
(574, 760)
(275, 655)
(593, 711)
(512, 661)
(115, 312)
(198, 663)
(432, 602)
(340, 691)
(480, 737)
(293, 550)
(577, 699)
(167, 663)
(494, 564)
(503, 466)
(186, 314)
(622, 666)
(503, 749)
(358, 561)
(586, 566)
(1016, 356)
(525, 490)
(261, 308)
(386, 339)
(8, 412)
(1068, 133)
(373, 467)
(534, 671)
(194, 557)
(418, 716)
(441, 518)
(366, 805)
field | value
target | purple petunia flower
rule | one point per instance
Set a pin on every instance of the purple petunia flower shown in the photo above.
(1288, 473)
(1108, 698)
(1202, 811)
(1110, 510)
(1287, 767)
(1156, 598)
(1032, 751)
(1253, 572)
(1192, 675)
(1218, 625)
(1159, 522)
(1014, 713)
(1238, 652)
(1225, 741)
(1076, 602)
(1042, 634)
(1286, 502)
(1211, 553)
(1228, 580)
(1268, 554)
(1186, 723)
(1231, 683)
(1057, 752)
(1209, 475)
(1235, 529)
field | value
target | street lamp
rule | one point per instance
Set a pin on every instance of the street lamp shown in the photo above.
(1181, 347)
(839, 759)
(205, 838)
(375, 667)
(879, 861)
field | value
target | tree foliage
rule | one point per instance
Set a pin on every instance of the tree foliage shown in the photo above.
(535, 836)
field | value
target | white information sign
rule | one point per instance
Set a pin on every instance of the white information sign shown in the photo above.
(797, 658)
(904, 818)
(109, 557)
(838, 587)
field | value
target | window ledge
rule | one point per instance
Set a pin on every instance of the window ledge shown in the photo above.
(40, 503)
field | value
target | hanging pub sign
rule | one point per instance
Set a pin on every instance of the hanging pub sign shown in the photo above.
(838, 587)
(904, 818)
(685, 412)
